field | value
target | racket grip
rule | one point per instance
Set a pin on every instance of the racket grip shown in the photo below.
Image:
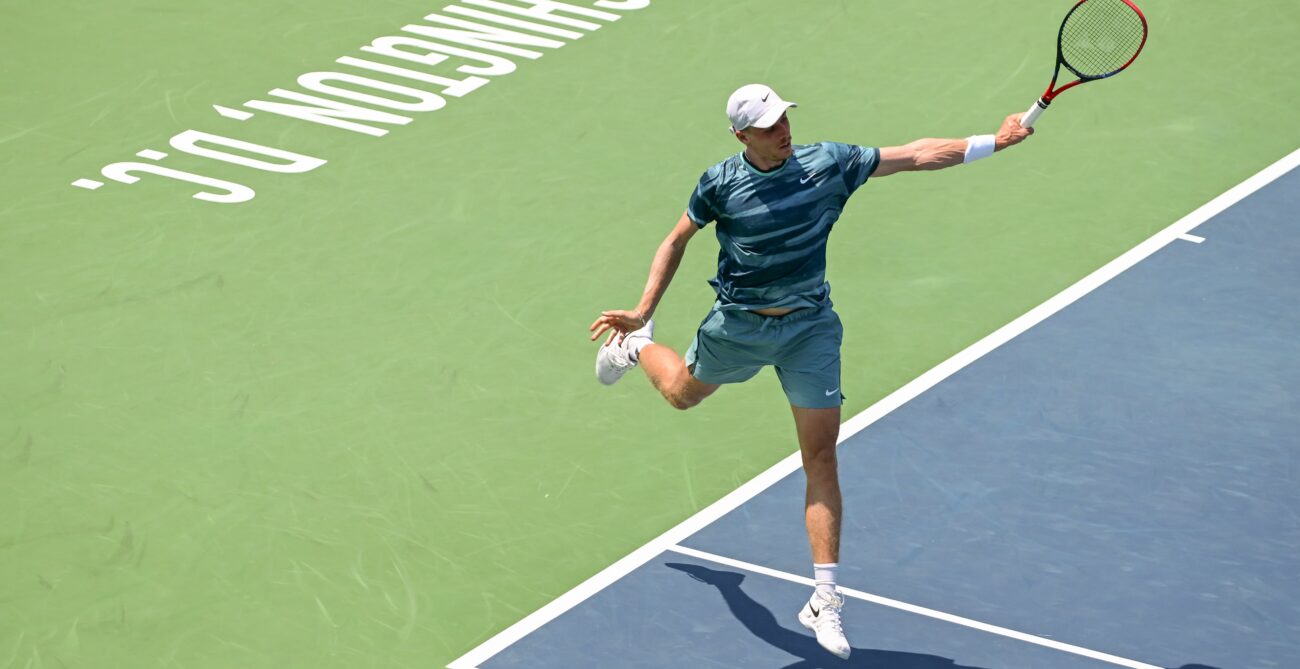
(1027, 121)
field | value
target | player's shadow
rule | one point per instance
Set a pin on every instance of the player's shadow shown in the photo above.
(761, 623)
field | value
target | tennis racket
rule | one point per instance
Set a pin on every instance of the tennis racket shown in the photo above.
(1098, 39)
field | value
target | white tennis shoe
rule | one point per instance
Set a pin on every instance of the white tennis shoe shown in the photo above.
(822, 615)
(613, 361)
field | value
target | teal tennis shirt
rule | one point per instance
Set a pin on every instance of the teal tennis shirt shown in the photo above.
(772, 226)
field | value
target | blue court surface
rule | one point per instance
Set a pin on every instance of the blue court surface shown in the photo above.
(1116, 486)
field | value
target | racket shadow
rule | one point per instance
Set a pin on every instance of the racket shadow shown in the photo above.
(760, 622)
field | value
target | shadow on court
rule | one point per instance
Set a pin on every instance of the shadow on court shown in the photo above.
(762, 624)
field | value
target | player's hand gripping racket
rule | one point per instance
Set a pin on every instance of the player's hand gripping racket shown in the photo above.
(1099, 39)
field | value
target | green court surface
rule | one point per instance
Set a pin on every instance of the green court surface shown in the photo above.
(352, 422)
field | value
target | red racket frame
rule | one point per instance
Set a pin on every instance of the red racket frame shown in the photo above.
(1052, 92)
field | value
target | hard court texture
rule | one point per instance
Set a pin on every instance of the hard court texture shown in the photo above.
(352, 421)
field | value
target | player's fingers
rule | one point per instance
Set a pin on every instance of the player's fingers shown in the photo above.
(599, 331)
(613, 318)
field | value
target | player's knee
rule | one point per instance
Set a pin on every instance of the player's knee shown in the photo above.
(821, 461)
(683, 402)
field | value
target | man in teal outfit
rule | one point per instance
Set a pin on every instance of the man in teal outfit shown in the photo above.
(774, 204)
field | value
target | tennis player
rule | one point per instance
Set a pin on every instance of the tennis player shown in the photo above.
(774, 204)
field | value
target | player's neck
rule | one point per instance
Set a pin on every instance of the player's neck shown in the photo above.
(761, 164)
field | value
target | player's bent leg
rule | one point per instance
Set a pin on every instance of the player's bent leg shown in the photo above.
(670, 375)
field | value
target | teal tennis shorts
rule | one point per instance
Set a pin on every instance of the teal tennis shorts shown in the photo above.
(733, 345)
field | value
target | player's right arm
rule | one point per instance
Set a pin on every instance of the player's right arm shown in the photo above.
(936, 154)
(662, 269)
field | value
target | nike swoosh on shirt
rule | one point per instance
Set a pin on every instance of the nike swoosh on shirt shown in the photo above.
(832, 392)
(807, 178)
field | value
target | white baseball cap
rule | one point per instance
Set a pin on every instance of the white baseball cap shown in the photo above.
(755, 106)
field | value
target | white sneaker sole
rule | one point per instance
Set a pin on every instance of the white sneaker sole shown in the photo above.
(609, 374)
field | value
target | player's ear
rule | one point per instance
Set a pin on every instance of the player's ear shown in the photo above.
(740, 135)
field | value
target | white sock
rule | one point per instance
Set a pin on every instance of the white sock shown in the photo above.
(634, 346)
(824, 575)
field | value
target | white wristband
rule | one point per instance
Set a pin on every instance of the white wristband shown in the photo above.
(978, 146)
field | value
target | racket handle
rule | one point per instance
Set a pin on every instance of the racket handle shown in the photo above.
(1027, 121)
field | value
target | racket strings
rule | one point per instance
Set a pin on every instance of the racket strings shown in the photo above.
(1100, 37)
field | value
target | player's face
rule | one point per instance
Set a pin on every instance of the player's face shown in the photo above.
(771, 143)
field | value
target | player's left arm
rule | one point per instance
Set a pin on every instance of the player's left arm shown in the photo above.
(936, 154)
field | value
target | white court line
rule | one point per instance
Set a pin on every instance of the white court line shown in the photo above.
(943, 370)
(1189, 237)
(920, 610)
